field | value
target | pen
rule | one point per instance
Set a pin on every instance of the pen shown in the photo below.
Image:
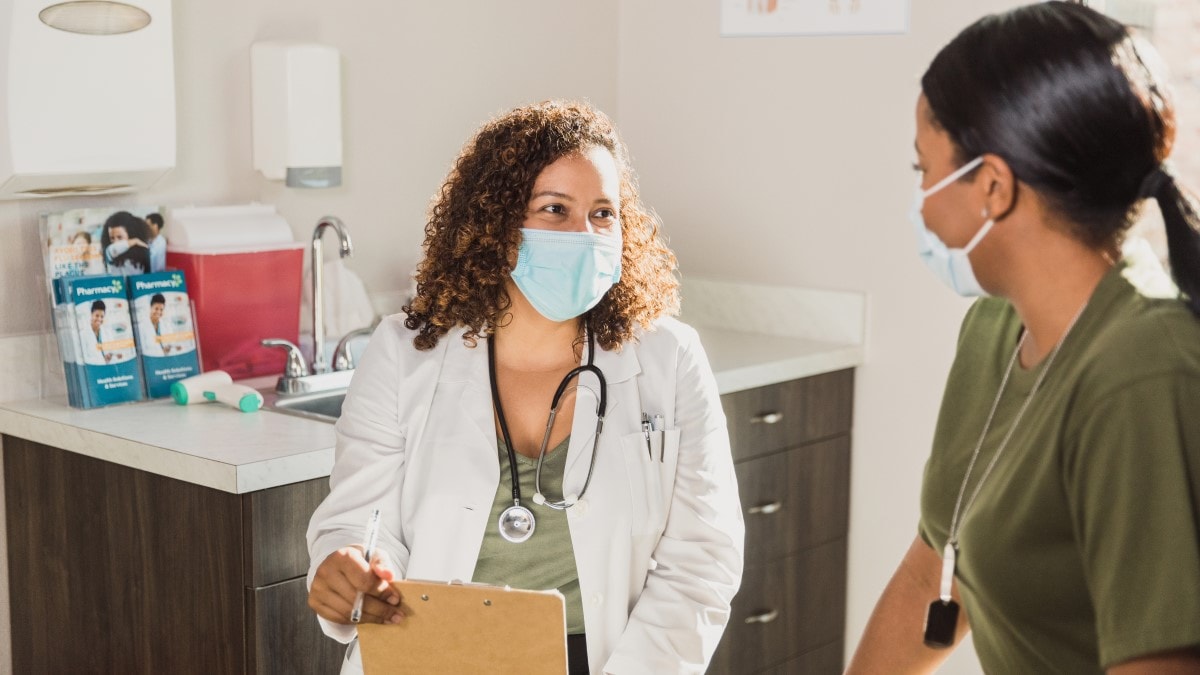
(368, 550)
(658, 425)
(646, 433)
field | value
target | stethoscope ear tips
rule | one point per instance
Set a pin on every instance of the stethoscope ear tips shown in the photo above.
(539, 498)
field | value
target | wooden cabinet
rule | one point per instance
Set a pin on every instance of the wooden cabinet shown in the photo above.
(281, 632)
(791, 445)
(115, 570)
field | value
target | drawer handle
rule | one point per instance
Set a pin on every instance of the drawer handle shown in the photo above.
(765, 617)
(765, 509)
(767, 418)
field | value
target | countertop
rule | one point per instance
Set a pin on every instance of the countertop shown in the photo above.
(221, 448)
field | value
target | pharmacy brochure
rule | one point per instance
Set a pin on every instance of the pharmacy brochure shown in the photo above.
(166, 339)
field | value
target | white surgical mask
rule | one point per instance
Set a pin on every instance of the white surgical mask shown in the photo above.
(951, 265)
(564, 274)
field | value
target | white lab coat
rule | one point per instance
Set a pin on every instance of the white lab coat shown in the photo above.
(148, 338)
(658, 545)
(90, 345)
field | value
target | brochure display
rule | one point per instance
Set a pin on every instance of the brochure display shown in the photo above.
(123, 325)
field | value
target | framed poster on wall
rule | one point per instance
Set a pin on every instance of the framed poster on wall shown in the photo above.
(812, 17)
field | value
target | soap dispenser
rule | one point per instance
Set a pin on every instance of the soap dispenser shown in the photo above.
(297, 110)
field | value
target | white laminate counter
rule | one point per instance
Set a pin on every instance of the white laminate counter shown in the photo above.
(211, 445)
(221, 448)
(748, 360)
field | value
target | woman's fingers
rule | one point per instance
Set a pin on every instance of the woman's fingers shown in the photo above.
(336, 612)
(345, 574)
(383, 573)
(375, 610)
(337, 583)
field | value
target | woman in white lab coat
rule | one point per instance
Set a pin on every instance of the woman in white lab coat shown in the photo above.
(540, 262)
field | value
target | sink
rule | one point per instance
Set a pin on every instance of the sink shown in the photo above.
(317, 397)
(323, 405)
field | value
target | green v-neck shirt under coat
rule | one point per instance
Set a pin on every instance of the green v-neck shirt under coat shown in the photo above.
(547, 559)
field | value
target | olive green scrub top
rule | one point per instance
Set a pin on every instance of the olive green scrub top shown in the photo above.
(547, 559)
(1083, 548)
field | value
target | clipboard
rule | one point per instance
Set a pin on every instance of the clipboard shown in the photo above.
(469, 628)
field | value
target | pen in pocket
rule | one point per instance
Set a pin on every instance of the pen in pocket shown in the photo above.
(646, 426)
(658, 424)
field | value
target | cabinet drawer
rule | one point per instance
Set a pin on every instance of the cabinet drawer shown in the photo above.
(825, 660)
(784, 609)
(274, 523)
(284, 636)
(795, 499)
(778, 416)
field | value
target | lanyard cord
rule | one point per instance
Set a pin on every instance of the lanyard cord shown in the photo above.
(958, 504)
(512, 455)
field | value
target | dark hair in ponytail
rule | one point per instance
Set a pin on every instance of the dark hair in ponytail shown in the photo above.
(1078, 108)
(1182, 220)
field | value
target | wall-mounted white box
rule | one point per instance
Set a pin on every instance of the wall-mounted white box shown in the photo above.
(297, 109)
(87, 97)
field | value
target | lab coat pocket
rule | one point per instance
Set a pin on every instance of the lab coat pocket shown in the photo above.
(352, 663)
(650, 466)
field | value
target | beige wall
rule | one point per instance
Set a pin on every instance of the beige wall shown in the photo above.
(786, 161)
(417, 79)
(772, 160)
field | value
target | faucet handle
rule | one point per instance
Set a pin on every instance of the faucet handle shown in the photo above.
(295, 360)
(343, 358)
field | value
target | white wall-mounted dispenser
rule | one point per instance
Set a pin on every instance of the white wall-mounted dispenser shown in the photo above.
(297, 101)
(87, 96)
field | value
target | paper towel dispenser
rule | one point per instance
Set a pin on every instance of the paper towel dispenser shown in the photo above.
(87, 96)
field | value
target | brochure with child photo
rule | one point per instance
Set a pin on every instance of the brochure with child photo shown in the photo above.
(95, 241)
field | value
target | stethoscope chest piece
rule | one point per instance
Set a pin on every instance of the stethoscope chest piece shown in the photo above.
(516, 524)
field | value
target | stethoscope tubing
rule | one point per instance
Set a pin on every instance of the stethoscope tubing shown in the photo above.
(555, 402)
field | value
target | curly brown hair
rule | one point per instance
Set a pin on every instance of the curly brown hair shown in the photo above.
(474, 229)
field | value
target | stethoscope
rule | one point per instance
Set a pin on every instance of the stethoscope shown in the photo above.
(517, 523)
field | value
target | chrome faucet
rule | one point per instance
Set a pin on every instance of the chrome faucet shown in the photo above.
(343, 358)
(319, 365)
(295, 360)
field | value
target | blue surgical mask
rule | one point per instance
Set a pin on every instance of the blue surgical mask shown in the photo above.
(951, 265)
(564, 274)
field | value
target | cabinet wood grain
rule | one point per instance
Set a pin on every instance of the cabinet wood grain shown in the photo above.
(795, 500)
(113, 570)
(791, 447)
(826, 659)
(274, 522)
(785, 608)
(768, 419)
(283, 635)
